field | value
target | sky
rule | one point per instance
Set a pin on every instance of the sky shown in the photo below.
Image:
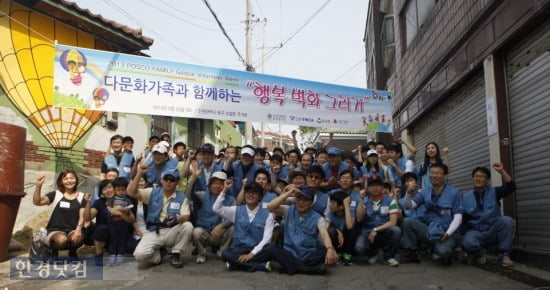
(315, 40)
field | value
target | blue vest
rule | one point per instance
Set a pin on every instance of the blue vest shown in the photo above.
(481, 219)
(153, 175)
(415, 213)
(300, 236)
(376, 218)
(338, 222)
(343, 166)
(367, 173)
(238, 176)
(206, 217)
(156, 203)
(439, 215)
(321, 202)
(249, 234)
(355, 197)
(125, 166)
(201, 184)
(402, 164)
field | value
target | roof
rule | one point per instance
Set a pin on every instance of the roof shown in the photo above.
(127, 39)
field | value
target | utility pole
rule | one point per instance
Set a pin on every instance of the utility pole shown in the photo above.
(249, 67)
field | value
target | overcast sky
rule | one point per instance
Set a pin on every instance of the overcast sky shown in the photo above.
(321, 40)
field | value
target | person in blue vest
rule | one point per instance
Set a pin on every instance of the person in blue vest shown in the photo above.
(372, 168)
(253, 229)
(342, 225)
(442, 218)
(314, 177)
(159, 163)
(119, 159)
(210, 229)
(237, 170)
(378, 213)
(432, 155)
(277, 169)
(484, 224)
(410, 180)
(168, 216)
(302, 227)
(398, 164)
(207, 167)
(334, 167)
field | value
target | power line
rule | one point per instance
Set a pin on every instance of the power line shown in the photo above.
(284, 42)
(224, 32)
(129, 16)
(177, 17)
(191, 15)
(349, 70)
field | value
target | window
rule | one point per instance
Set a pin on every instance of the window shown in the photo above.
(416, 15)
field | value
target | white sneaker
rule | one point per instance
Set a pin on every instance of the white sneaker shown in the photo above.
(392, 262)
(201, 259)
(372, 260)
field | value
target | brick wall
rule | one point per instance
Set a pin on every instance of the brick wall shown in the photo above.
(45, 157)
(447, 24)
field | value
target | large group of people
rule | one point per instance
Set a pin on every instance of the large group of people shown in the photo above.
(304, 210)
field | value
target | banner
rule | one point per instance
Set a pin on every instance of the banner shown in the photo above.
(106, 81)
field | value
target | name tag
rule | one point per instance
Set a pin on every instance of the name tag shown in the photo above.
(127, 169)
(384, 209)
(264, 204)
(353, 203)
(175, 205)
(64, 204)
(446, 212)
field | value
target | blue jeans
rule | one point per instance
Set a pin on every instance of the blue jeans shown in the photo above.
(501, 234)
(415, 231)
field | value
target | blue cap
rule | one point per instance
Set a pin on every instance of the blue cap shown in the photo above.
(306, 192)
(334, 151)
(171, 171)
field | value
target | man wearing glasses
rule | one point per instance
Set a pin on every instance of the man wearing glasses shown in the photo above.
(442, 218)
(168, 216)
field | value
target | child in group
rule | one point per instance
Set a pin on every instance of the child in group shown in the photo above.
(342, 225)
(121, 218)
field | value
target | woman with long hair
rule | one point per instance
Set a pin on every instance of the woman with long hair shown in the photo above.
(432, 156)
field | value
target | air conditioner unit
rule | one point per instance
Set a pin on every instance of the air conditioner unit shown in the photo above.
(110, 120)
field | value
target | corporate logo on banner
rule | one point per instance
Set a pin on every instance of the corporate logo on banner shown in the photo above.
(99, 80)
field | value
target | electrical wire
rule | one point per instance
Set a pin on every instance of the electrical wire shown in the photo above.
(241, 59)
(291, 36)
(129, 16)
(177, 17)
(191, 15)
(349, 70)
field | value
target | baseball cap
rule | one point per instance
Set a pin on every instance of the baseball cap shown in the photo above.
(372, 152)
(254, 186)
(172, 171)
(160, 149)
(218, 175)
(247, 150)
(207, 147)
(334, 151)
(165, 133)
(306, 192)
(374, 180)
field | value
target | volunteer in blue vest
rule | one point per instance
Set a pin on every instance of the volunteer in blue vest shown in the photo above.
(485, 226)
(237, 170)
(168, 217)
(207, 167)
(314, 178)
(159, 163)
(410, 180)
(210, 229)
(334, 167)
(302, 226)
(398, 164)
(442, 217)
(253, 229)
(378, 213)
(119, 159)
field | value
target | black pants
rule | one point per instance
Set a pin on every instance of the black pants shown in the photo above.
(118, 234)
(350, 236)
(232, 255)
(292, 264)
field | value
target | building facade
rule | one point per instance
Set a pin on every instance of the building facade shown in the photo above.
(473, 76)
